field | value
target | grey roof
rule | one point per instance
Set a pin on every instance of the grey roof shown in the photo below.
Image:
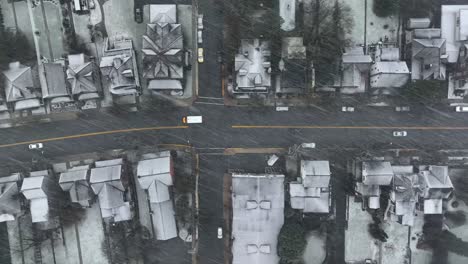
(426, 59)
(33, 187)
(390, 54)
(81, 75)
(377, 172)
(253, 66)
(386, 74)
(433, 206)
(36, 189)
(315, 173)
(164, 220)
(119, 70)
(368, 190)
(418, 23)
(75, 182)
(27, 104)
(18, 82)
(165, 85)
(293, 48)
(427, 33)
(256, 228)
(163, 14)
(353, 58)
(55, 84)
(157, 169)
(162, 51)
(317, 204)
(9, 201)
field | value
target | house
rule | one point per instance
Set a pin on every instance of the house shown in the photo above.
(388, 74)
(458, 78)
(454, 29)
(41, 190)
(428, 54)
(311, 192)
(75, 181)
(377, 173)
(19, 87)
(405, 193)
(118, 66)
(155, 176)
(436, 187)
(83, 77)
(287, 10)
(355, 71)
(109, 182)
(257, 217)
(293, 67)
(54, 87)
(252, 67)
(10, 206)
(163, 54)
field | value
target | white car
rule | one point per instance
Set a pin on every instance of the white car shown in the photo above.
(308, 145)
(400, 133)
(199, 37)
(220, 232)
(461, 109)
(347, 109)
(200, 55)
(35, 146)
(192, 119)
(402, 108)
(282, 108)
(200, 22)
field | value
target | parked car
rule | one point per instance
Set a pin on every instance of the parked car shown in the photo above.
(308, 145)
(138, 15)
(192, 119)
(400, 133)
(36, 146)
(220, 232)
(200, 55)
(402, 108)
(461, 109)
(200, 22)
(347, 109)
(220, 56)
(199, 37)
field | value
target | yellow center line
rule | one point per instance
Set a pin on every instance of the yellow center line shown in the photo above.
(93, 134)
(352, 127)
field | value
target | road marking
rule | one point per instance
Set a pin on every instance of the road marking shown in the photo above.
(93, 134)
(354, 127)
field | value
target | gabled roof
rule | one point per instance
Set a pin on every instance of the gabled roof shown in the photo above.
(157, 169)
(9, 200)
(164, 220)
(377, 172)
(34, 187)
(18, 81)
(55, 85)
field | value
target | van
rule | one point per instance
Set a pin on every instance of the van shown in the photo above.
(192, 120)
(461, 109)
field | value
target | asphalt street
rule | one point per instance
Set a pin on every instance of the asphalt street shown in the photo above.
(232, 127)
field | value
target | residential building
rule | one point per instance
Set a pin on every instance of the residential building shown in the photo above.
(287, 10)
(370, 175)
(454, 27)
(428, 53)
(355, 71)
(53, 84)
(405, 193)
(436, 187)
(83, 77)
(458, 79)
(293, 66)
(311, 192)
(257, 217)
(155, 176)
(19, 87)
(42, 193)
(389, 74)
(10, 206)
(75, 181)
(252, 67)
(163, 53)
(109, 182)
(119, 67)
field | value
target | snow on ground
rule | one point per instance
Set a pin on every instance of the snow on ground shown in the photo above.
(315, 252)
(396, 248)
